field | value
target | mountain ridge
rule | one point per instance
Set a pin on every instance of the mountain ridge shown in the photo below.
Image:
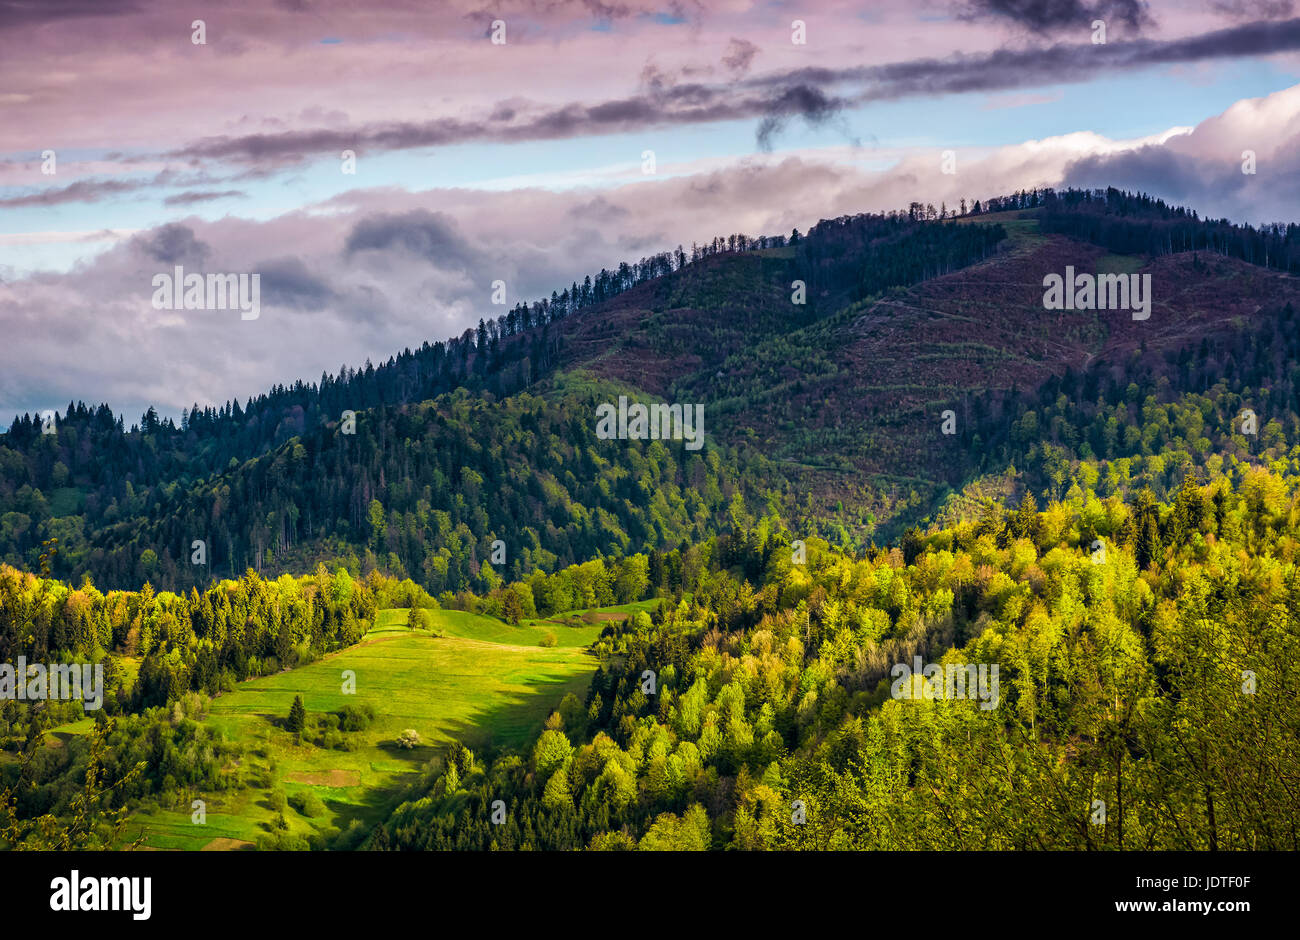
(830, 410)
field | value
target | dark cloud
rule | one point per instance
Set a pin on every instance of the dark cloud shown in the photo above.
(803, 101)
(680, 105)
(173, 243)
(1254, 9)
(655, 80)
(193, 196)
(774, 99)
(1017, 68)
(422, 233)
(287, 282)
(1049, 16)
(1215, 187)
(1148, 169)
(14, 13)
(676, 105)
(80, 191)
(93, 190)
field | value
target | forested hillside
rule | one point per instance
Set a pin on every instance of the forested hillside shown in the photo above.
(1148, 657)
(1146, 652)
(161, 655)
(278, 484)
(907, 459)
(830, 409)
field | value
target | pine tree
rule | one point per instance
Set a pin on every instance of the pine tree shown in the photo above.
(1147, 547)
(1025, 523)
(1188, 510)
(297, 715)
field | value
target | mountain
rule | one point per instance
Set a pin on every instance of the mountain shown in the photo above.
(830, 411)
(1088, 517)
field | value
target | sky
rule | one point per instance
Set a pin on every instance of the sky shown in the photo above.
(535, 142)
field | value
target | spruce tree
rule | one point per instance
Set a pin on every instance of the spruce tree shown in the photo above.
(297, 715)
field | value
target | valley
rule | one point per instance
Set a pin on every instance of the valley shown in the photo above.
(468, 678)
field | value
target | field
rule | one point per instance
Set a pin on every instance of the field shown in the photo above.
(483, 682)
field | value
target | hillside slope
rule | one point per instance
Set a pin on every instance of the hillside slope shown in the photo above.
(830, 411)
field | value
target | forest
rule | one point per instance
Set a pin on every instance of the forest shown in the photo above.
(279, 484)
(280, 487)
(1148, 654)
(1155, 679)
(1115, 529)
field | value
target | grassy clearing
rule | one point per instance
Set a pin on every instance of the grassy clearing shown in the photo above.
(457, 623)
(484, 682)
(1120, 264)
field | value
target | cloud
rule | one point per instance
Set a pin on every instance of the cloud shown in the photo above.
(812, 93)
(803, 101)
(172, 243)
(429, 235)
(676, 105)
(1009, 68)
(1049, 16)
(93, 189)
(598, 208)
(1204, 168)
(15, 13)
(1254, 9)
(377, 270)
(740, 55)
(87, 190)
(288, 282)
(193, 196)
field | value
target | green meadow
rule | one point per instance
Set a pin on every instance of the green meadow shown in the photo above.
(471, 678)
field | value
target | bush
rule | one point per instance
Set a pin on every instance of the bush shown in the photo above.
(356, 717)
(282, 842)
(351, 837)
(307, 803)
(408, 739)
(548, 640)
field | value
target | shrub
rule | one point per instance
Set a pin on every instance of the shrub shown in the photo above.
(548, 640)
(307, 803)
(356, 717)
(282, 842)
